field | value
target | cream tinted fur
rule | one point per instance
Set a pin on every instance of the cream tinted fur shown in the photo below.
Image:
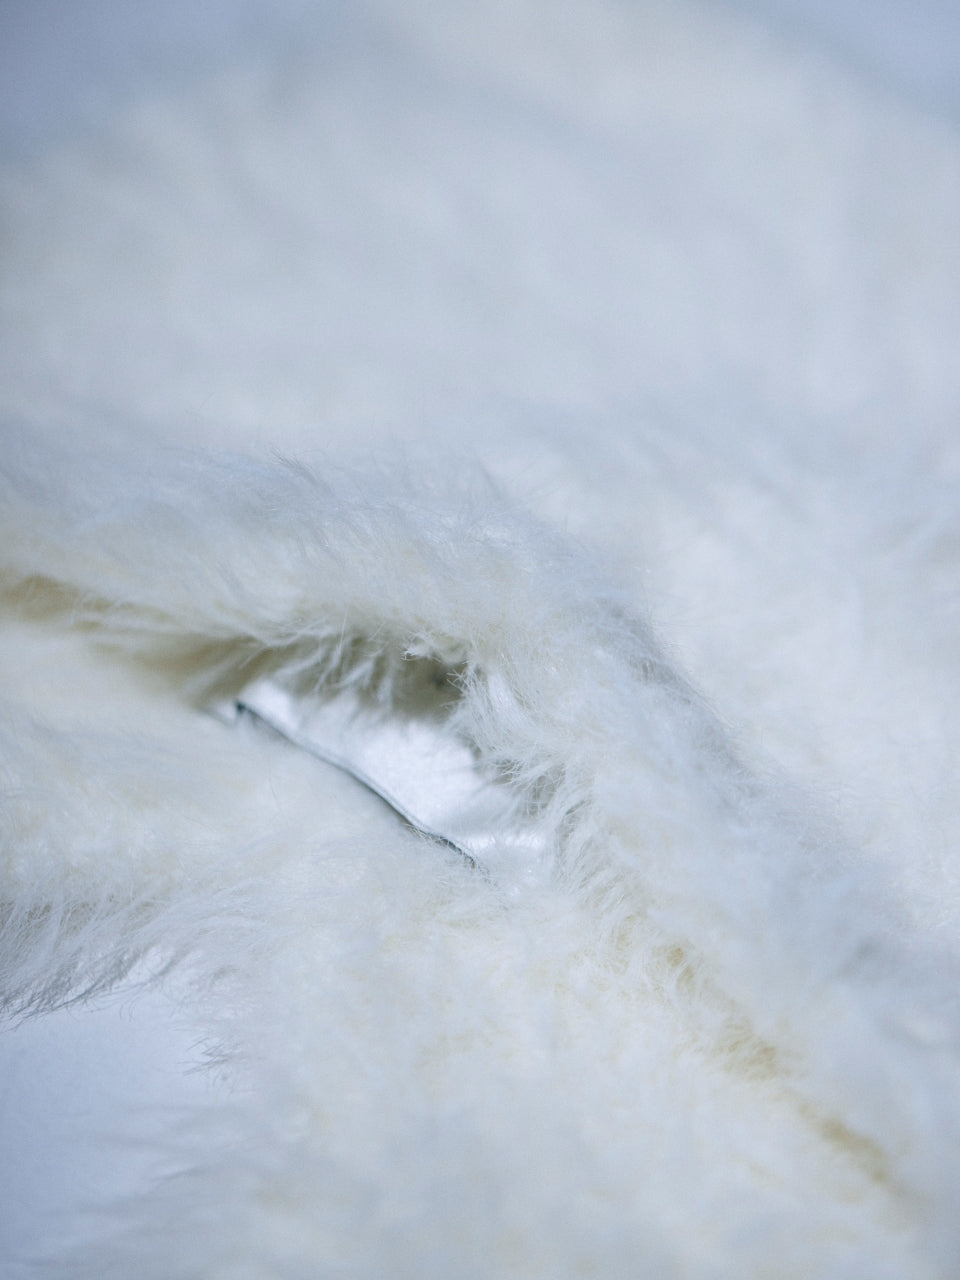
(722, 1039)
(689, 891)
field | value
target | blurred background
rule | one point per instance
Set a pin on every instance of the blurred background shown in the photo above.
(65, 66)
(283, 223)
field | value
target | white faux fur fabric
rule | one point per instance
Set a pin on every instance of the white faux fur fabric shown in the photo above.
(600, 358)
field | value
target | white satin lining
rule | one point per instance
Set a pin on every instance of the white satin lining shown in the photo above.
(416, 763)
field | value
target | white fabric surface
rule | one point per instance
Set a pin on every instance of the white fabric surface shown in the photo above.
(615, 348)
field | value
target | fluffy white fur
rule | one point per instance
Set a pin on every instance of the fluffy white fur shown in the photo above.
(721, 1040)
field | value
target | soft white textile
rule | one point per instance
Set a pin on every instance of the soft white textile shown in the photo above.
(601, 360)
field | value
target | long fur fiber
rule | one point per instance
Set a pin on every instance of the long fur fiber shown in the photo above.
(719, 1036)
